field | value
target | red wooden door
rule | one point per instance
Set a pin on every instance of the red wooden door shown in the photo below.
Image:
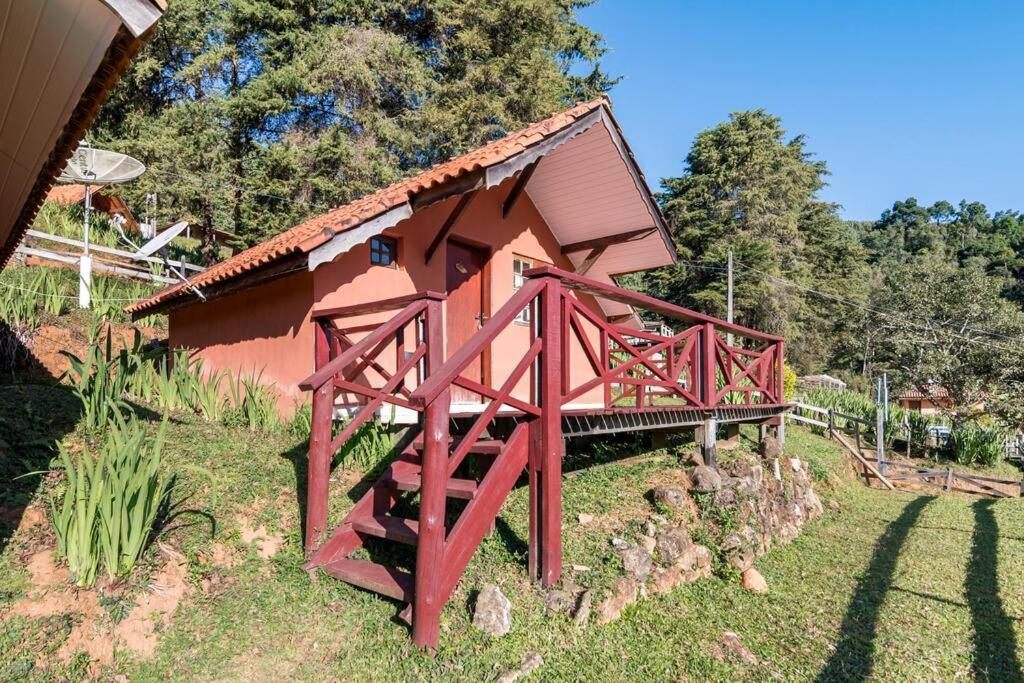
(464, 282)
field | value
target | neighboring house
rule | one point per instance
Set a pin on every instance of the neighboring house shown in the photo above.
(59, 60)
(929, 400)
(109, 204)
(564, 192)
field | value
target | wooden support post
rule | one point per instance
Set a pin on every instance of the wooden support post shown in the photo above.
(762, 432)
(709, 443)
(780, 432)
(428, 598)
(318, 468)
(949, 479)
(831, 425)
(545, 457)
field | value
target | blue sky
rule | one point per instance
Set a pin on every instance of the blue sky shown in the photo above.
(922, 99)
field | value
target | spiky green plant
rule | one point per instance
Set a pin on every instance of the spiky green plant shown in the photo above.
(132, 494)
(100, 379)
(974, 444)
(371, 443)
(110, 502)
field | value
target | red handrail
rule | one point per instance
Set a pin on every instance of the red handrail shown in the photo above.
(441, 378)
(612, 293)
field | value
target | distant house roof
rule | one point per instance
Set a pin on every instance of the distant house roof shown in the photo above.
(110, 204)
(59, 61)
(487, 166)
(928, 392)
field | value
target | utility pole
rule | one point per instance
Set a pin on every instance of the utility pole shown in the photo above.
(881, 409)
(728, 336)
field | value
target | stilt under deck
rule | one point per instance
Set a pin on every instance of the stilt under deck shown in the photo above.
(462, 464)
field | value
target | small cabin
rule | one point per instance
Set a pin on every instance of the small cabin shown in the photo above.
(564, 192)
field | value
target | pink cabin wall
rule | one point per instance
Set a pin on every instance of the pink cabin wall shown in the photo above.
(263, 331)
(267, 328)
(350, 279)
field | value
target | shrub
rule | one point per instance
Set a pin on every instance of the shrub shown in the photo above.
(371, 443)
(974, 444)
(101, 378)
(110, 503)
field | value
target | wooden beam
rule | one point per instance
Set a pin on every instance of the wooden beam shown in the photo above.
(517, 190)
(449, 223)
(590, 260)
(608, 240)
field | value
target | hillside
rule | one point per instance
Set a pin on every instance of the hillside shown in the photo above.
(893, 585)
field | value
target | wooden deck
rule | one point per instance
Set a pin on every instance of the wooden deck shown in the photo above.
(637, 380)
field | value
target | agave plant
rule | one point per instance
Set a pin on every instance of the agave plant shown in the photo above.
(74, 521)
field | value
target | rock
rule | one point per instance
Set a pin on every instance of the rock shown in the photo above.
(795, 464)
(725, 497)
(493, 611)
(648, 543)
(834, 505)
(742, 558)
(664, 579)
(530, 662)
(695, 563)
(691, 457)
(636, 562)
(672, 544)
(754, 582)
(660, 520)
(770, 448)
(670, 496)
(730, 647)
(580, 568)
(583, 607)
(623, 593)
(706, 479)
(650, 529)
(585, 518)
(558, 601)
(620, 544)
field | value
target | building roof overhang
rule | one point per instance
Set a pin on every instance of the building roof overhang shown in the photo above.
(59, 60)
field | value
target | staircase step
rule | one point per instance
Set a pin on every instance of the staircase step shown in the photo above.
(483, 446)
(389, 527)
(389, 581)
(464, 489)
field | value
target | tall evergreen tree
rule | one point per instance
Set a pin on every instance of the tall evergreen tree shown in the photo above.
(747, 188)
(252, 114)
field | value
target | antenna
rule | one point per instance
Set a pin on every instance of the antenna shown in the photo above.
(160, 243)
(89, 166)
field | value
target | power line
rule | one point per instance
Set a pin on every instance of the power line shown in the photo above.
(895, 314)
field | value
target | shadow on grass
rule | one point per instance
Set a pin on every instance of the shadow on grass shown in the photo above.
(33, 417)
(854, 653)
(994, 640)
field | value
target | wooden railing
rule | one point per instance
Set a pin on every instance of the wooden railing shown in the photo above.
(340, 361)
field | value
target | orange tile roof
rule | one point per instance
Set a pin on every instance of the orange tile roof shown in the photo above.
(308, 235)
(66, 194)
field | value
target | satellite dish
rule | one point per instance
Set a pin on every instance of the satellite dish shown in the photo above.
(161, 240)
(91, 166)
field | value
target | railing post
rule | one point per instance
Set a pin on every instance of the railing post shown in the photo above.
(780, 368)
(709, 387)
(318, 468)
(427, 599)
(546, 446)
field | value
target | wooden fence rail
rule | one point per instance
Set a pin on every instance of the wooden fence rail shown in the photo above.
(837, 424)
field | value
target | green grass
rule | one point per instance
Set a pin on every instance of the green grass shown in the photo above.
(894, 586)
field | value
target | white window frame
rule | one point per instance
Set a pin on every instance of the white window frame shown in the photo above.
(521, 264)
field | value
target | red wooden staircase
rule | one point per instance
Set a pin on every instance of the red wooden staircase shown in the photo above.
(442, 493)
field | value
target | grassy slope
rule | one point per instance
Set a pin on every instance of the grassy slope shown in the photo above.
(876, 588)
